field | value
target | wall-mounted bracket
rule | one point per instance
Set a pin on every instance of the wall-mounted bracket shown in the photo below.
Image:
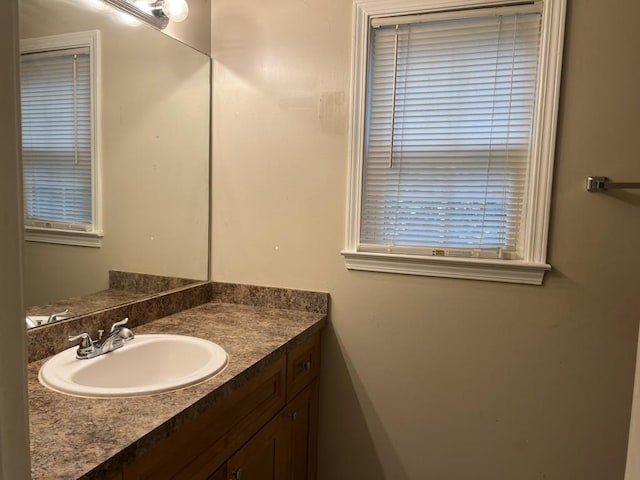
(602, 184)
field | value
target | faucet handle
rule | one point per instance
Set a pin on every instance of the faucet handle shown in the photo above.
(119, 324)
(86, 339)
(86, 347)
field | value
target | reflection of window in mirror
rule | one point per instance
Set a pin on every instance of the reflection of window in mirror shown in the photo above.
(61, 170)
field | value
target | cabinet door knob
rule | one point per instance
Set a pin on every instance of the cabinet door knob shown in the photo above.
(294, 416)
(236, 475)
(307, 365)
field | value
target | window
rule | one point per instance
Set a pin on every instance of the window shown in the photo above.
(61, 170)
(452, 142)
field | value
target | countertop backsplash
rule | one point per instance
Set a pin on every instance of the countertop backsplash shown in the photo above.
(51, 339)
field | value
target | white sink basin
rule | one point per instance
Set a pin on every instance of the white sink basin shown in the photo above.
(147, 364)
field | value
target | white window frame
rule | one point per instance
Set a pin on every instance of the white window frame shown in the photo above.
(529, 270)
(93, 237)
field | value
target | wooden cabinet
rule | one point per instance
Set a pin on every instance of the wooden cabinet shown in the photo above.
(221, 474)
(265, 430)
(284, 449)
(264, 457)
(202, 445)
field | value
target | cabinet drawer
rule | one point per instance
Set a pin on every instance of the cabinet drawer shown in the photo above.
(202, 445)
(303, 365)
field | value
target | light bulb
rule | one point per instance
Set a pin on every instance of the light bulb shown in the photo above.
(176, 10)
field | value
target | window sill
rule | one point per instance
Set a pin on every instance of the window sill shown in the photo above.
(63, 237)
(510, 271)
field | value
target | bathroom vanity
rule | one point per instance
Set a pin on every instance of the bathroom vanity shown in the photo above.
(266, 429)
(255, 419)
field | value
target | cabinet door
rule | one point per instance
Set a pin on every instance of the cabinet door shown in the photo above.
(264, 457)
(221, 474)
(301, 415)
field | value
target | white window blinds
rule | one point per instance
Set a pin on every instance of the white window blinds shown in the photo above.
(56, 139)
(450, 107)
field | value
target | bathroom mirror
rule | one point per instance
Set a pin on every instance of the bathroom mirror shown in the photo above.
(154, 147)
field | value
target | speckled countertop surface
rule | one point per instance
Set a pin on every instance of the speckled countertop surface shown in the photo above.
(123, 287)
(88, 303)
(74, 438)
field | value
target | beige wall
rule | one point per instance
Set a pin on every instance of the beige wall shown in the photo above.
(14, 442)
(428, 378)
(155, 158)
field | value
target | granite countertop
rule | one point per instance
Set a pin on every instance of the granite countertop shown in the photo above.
(124, 287)
(73, 438)
(82, 305)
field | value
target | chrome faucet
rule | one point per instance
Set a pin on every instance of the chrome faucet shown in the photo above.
(54, 316)
(117, 337)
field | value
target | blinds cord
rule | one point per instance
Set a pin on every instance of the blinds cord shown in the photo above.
(75, 109)
(393, 97)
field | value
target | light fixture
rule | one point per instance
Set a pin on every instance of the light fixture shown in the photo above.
(156, 13)
(175, 10)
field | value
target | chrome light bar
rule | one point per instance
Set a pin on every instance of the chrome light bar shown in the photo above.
(158, 21)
